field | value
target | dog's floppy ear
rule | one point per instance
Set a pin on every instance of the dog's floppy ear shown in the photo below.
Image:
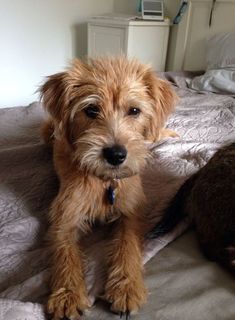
(163, 100)
(54, 95)
(57, 94)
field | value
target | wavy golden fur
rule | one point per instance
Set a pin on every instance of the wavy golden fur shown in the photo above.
(94, 106)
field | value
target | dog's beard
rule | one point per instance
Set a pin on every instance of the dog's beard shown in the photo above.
(89, 157)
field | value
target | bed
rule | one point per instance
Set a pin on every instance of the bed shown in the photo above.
(182, 283)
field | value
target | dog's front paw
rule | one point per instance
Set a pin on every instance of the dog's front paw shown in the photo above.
(66, 304)
(125, 296)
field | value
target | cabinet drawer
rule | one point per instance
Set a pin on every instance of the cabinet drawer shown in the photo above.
(106, 40)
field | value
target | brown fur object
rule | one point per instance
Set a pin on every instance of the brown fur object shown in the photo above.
(208, 199)
(101, 113)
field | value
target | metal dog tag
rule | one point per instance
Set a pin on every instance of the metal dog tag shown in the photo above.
(111, 195)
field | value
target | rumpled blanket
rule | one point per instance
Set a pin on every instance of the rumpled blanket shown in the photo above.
(28, 185)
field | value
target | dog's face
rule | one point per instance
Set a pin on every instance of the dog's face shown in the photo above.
(106, 110)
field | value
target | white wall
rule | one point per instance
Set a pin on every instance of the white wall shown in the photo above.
(39, 37)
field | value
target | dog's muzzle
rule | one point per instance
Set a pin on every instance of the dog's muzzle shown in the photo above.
(115, 155)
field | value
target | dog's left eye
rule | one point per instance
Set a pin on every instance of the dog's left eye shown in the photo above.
(92, 111)
(133, 111)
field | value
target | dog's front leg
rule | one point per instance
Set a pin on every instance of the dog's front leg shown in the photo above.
(68, 291)
(125, 288)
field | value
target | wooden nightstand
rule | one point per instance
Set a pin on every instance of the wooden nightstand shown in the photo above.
(145, 40)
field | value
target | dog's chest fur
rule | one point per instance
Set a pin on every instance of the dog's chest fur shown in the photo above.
(89, 193)
(96, 205)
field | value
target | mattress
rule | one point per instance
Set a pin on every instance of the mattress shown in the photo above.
(182, 283)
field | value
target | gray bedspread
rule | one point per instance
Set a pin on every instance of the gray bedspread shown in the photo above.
(182, 283)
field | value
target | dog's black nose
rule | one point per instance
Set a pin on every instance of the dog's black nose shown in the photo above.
(115, 155)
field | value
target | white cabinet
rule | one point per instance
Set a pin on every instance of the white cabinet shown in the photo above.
(145, 40)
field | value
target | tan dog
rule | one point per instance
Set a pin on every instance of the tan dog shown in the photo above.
(101, 114)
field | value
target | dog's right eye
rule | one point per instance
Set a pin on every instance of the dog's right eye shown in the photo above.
(92, 111)
(133, 111)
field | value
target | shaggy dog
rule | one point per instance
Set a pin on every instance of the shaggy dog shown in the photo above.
(101, 114)
(208, 199)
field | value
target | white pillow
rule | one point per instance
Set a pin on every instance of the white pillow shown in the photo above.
(221, 51)
(220, 74)
(218, 81)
